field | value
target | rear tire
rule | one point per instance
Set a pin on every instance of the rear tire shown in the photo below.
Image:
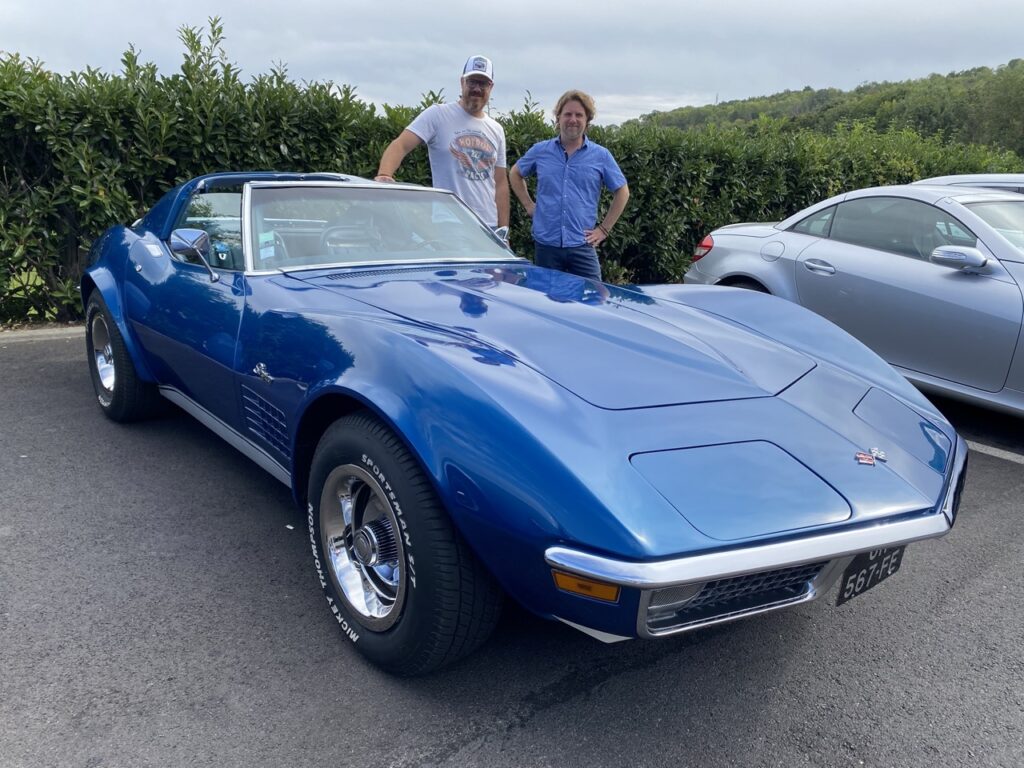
(402, 584)
(122, 395)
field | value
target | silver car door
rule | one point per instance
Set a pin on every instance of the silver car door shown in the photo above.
(873, 279)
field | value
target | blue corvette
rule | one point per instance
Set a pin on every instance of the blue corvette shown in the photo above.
(461, 425)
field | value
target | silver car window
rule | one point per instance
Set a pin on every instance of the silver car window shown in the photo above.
(817, 224)
(898, 225)
(1005, 216)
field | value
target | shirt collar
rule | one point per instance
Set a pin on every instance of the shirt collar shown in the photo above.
(558, 141)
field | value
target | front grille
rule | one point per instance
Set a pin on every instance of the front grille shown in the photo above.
(730, 598)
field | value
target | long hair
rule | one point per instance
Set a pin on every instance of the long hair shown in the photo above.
(583, 98)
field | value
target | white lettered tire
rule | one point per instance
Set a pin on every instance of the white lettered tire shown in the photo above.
(400, 581)
(122, 395)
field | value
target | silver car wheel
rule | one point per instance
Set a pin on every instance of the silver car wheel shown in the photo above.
(103, 356)
(364, 552)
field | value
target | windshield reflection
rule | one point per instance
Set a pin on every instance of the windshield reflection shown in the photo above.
(300, 226)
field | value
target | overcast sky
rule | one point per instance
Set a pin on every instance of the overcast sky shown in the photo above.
(633, 57)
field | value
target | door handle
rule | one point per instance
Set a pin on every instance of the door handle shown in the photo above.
(819, 267)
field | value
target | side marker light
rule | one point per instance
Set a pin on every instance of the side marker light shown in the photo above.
(578, 585)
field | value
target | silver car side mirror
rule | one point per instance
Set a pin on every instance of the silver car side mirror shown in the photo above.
(194, 242)
(959, 257)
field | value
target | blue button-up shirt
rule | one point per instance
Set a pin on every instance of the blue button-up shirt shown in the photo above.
(568, 189)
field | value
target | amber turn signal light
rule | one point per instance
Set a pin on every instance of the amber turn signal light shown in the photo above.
(578, 585)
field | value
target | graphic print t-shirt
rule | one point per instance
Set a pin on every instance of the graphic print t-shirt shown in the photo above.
(464, 151)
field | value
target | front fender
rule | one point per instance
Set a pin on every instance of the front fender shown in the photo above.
(100, 278)
(489, 433)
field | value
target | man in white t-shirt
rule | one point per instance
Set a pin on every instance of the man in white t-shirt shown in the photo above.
(465, 145)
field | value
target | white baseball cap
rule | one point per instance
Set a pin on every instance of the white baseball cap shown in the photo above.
(479, 65)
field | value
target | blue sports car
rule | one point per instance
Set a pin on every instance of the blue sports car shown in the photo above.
(460, 425)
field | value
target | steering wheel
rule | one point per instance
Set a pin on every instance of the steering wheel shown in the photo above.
(280, 249)
(362, 236)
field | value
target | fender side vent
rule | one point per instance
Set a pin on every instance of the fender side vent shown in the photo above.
(266, 421)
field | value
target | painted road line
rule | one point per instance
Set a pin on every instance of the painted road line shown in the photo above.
(999, 453)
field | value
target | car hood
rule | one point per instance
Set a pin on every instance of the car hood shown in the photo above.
(614, 348)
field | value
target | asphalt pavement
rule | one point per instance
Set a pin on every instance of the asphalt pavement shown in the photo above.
(158, 607)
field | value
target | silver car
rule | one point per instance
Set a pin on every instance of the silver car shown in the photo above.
(1011, 182)
(927, 276)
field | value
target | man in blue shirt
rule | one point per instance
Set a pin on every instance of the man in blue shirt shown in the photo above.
(571, 170)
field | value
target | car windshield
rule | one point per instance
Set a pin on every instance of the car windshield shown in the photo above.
(299, 226)
(1006, 217)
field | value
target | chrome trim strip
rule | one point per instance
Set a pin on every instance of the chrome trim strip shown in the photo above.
(398, 264)
(959, 464)
(249, 449)
(248, 257)
(737, 562)
(362, 183)
(724, 618)
(604, 637)
(385, 263)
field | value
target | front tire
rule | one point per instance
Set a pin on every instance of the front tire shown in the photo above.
(122, 395)
(402, 584)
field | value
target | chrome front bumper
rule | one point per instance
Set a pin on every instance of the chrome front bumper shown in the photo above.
(834, 549)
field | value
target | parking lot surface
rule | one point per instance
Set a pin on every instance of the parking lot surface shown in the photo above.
(158, 607)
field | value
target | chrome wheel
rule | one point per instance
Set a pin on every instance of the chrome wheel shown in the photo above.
(363, 550)
(103, 356)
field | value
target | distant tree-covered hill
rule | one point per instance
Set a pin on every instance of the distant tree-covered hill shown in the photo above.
(981, 106)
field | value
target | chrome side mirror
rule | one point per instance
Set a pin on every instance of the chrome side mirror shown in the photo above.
(193, 242)
(959, 257)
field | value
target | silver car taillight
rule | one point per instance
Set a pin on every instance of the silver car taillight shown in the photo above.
(703, 248)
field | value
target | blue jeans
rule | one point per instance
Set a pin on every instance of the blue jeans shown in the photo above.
(578, 260)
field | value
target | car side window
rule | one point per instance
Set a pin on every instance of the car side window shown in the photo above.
(817, 224)
(898, 225)
(219, 214)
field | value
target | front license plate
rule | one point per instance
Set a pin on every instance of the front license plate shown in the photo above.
(867, 570)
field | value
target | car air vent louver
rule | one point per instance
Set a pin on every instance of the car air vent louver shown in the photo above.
(265, 421)
(433, 269)
(376, 272)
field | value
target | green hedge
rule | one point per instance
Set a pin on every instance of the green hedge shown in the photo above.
(83, 151)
